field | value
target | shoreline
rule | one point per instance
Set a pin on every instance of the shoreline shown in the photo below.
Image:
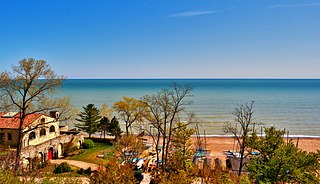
(231, 136)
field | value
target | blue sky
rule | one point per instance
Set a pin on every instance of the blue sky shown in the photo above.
(164, 38)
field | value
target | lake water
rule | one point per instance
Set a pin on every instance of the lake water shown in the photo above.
(290, 104)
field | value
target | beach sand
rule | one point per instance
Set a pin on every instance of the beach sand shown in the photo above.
(216, 145)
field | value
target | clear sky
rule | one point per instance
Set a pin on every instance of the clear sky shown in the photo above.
(164, 38)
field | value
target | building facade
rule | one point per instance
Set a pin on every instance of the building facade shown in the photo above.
(41, 138)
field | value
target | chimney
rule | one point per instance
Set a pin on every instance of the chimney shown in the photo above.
(54, 114)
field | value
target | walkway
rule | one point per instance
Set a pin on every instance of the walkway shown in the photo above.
(80, 164)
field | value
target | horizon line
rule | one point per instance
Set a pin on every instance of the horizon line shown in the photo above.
(196, 78)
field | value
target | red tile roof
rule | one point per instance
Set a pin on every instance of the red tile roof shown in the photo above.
(13, 122)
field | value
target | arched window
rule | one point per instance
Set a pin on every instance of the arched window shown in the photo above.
(42, 132)
(32, 135)
(9, 137)
(52, 129)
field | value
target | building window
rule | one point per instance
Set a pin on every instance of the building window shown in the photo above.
(9, 137)
(43, 132)
(32, 135)
(43, 120)
(52, 129)
(1, 137)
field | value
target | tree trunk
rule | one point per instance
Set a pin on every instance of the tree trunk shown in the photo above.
(157, 145)
(127, 129)
(241, 158)
(19, 148)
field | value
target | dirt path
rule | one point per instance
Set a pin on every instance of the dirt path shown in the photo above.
(76, 163)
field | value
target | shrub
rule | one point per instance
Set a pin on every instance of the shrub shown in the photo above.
(62, 168)
(87, 171)
(88, 143)
(7, 177)
(80, 171)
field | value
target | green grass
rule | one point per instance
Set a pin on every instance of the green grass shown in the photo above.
(90, 155)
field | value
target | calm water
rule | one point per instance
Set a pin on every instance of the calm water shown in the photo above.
(290, 104)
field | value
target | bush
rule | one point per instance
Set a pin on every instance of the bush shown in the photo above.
(80, 171)
(7, 177)
(88, 143)
(62, 168)
(87, 171)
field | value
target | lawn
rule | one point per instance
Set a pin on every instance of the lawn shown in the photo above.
(90, 155)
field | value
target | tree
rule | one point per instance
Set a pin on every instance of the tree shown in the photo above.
(128, 147)
(112, 173)
(130, 110)
(281, 162)
(27, 90)
(163, 113)
(89, 119)
(103, 126)
(106, 111)
(114, 128)
(243, 118)
(182, 150)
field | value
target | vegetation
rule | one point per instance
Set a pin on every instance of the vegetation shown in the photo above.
(103, 126)
(128, 147)
(182, 150)
(243, 115)
(87, 171)
(163, 113)
(27, 90)
(112, 173)
(112, 127)
(89, 119)
(62, 168)
(90, 155)
(88, 143)
(106, 111)
(281, 162)
(9, 178)
(130, 110)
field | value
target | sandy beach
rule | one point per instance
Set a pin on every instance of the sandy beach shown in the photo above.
(216, 145)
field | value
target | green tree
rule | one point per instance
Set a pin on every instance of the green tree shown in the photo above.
(280, 162)
(27, 90)
(130, 110)
(114, 128)
(103, 126)
(182, 149)
(89, 119)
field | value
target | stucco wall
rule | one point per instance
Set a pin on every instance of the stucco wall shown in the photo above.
(47, 123)
(55, 143)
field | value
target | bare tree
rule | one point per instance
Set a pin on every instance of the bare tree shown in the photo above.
(164, 111)
(27, 90)
(243, 118)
